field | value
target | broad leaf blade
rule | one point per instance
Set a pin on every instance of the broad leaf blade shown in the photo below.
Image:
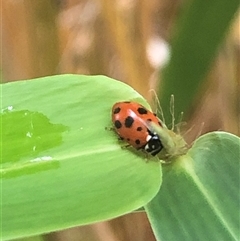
(71, 170)
(200, 30)
(199, 198)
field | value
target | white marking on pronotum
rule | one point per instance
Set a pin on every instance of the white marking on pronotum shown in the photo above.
(146, 147)
(148, 138)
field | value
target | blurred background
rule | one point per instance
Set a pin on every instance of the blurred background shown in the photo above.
(129, 40)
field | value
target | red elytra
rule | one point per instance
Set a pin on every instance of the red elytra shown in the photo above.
(130, 120)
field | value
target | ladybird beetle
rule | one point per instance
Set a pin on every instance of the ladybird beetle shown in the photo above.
(131, 120)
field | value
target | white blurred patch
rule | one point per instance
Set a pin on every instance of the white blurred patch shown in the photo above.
(158, 52)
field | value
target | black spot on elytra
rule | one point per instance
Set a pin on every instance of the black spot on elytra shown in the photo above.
(117, 124)
(139, 128)
(129, 121)
(155, 114)
(159, 123)
(142, 111)
(128, 139)
(149, 119)
(137, 142)
(117, 110)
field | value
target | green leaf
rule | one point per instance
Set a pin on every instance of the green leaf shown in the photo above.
(199, 31)
(60, 167)
(34, 238)
(199, 198)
